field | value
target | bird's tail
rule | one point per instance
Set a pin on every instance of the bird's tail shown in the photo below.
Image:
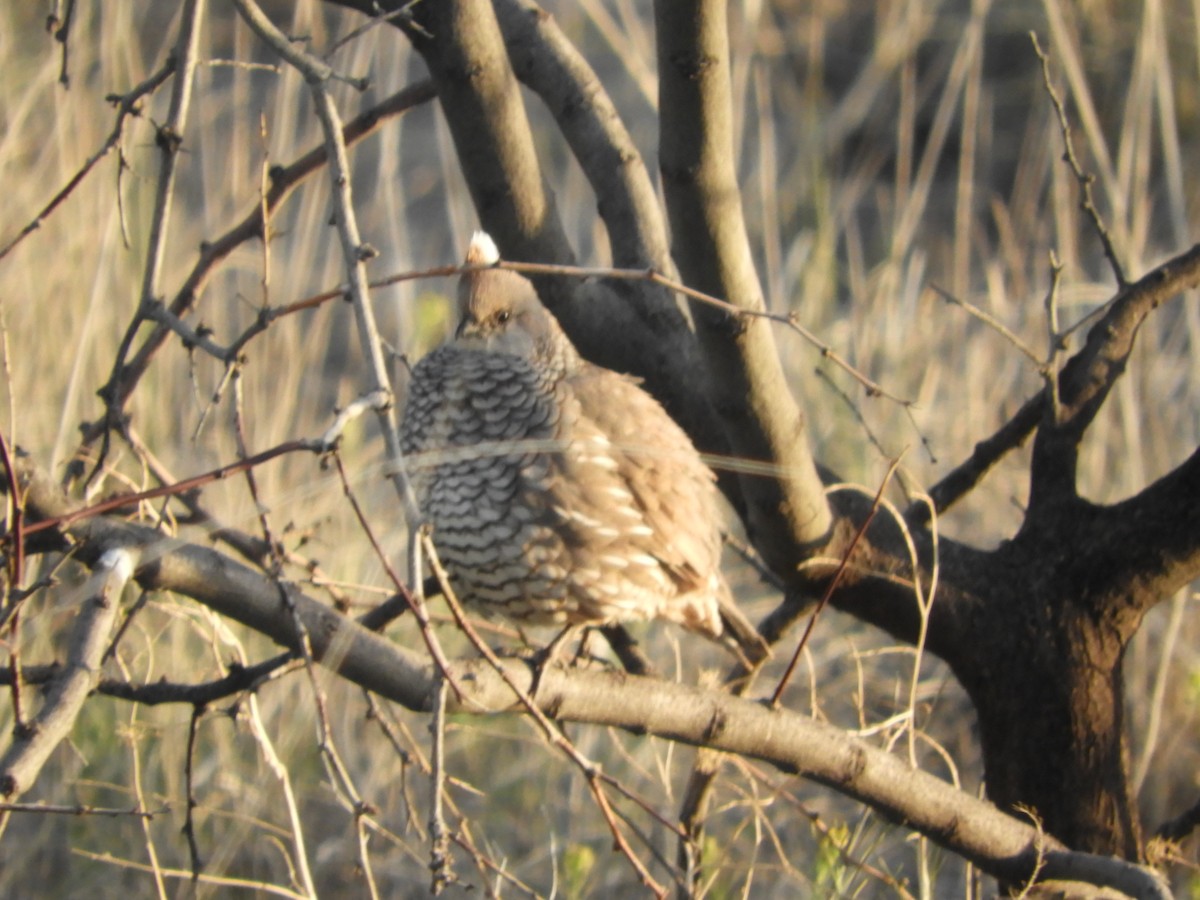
(740, 636)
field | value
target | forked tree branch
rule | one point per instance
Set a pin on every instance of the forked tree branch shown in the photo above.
(1084, 381)
(631, 328)
(552, 67)
(1091, 373)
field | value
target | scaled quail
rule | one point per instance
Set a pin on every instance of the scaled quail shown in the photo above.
(559, 492)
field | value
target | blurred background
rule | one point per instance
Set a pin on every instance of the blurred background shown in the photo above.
(886, 151)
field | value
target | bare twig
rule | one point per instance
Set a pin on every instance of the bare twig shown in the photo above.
(740, 313)
(189, 781)
(832, 586)
(169, 140)
(550, 730)
(441, 864)
(414, 601)
(992, 322)
(301, 870)
(125, 376)
(128, 104)
(355, 252)
(238, 680)
(1086, 180)
(124, 500)
(15, 563)
(1084, 380)
(82, 809)
(265, 888)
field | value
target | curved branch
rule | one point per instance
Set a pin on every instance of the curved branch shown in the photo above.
(789, 513)
(1083, 383)
(1091, 373)
(549, 64)
(1001, 845)
(630, 328)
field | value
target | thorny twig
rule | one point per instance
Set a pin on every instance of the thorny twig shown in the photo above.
(124, 500)
(82, 809)
(414, 601)
(790, 320)
(1085, 179)
(284, 179)
(169, 140)
(127, 105)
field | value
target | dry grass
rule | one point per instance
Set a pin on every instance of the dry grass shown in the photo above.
(883, 152)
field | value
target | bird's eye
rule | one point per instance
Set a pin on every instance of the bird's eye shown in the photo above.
(503, 316)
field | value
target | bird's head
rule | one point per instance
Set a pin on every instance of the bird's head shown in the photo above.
(499, 311)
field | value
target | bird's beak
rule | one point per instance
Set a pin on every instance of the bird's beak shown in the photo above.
(470, 334)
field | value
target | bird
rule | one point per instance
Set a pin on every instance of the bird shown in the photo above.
(559, 492)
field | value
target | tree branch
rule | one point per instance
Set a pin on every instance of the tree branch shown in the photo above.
(552, 67)
(1099, 363)
(1145, 548)
(169, 140)
(1002, 846)
(90, 635)
(1091, 373)
(631, 328)
(789, 513)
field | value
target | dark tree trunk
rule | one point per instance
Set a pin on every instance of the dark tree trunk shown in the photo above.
(1048, 690)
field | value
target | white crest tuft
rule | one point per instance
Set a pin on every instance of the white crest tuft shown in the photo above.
(482, 251)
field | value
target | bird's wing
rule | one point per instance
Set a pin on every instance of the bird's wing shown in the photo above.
(671, 488)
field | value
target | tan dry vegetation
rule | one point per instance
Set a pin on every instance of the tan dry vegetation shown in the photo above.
(882, 152)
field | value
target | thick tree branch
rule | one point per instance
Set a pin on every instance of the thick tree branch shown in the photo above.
(35, 740)
(664, 350)
(1090, 375)
(1005, 847)
(461, 43)
(552, 67)
(786, 514)
(1145, 548)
